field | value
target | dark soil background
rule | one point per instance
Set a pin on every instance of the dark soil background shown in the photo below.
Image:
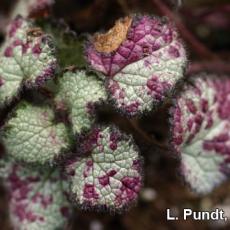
(205, 27)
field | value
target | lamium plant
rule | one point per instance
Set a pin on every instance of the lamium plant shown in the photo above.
(56, 151)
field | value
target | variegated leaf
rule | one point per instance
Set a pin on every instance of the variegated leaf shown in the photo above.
(201, 131)
(108, 175)
(142, 59)
(79, 92)
(26, 58)
(32, 135)
(37, 197)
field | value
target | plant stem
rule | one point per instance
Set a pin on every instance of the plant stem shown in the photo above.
(134, 124)
(211, 66)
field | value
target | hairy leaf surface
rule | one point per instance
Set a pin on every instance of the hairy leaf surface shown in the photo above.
(142, 59)
(201, 131)
(31, 135)
(109, 173)
(79, 92)
(37, 197)
(26, 58)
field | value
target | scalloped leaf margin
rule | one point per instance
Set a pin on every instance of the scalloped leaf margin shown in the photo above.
(79, 93)
(26, 58)
(201, 131)
(142, 58)
(109, 176)
(37, 196)
(32, 136)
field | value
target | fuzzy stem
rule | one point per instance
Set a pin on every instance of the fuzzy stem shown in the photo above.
(134, 124)
(213, 66)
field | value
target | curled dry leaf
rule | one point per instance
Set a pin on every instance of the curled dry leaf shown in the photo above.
(141, 58)
(201, 131)
(108, 175)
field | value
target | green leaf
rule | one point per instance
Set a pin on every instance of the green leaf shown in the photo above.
(69, 45)
(26, 58)
(33, 136)
(142, 58)
(201, 124)
(79, 92)
(109, 173)
(37, 197)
